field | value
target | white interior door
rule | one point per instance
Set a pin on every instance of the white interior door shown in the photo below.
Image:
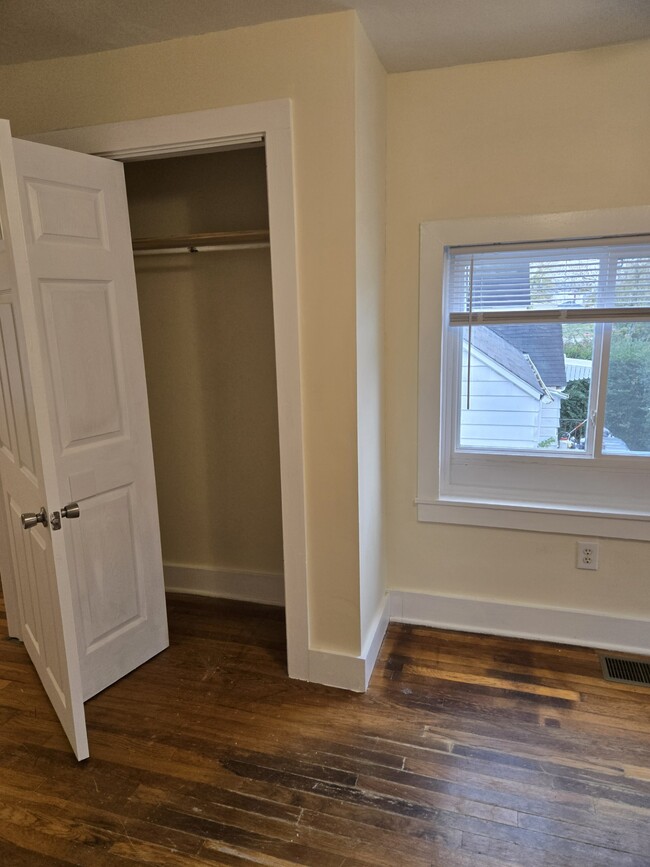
(79, 314)
(37, 594)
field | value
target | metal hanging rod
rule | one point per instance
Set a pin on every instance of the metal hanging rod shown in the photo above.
(206, 242)
(217, 248)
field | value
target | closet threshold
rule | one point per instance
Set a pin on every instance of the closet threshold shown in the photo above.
(248, 239)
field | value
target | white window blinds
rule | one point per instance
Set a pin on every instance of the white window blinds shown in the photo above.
(602, 280)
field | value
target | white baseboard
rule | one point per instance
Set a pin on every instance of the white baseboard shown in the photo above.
(564, 626)
(331, 669)
(539, 623)
(264, 587)
(351, 672)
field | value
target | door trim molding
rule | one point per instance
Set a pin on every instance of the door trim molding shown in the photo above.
(202, 131)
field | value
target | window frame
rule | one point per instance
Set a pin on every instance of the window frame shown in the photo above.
(438, 388)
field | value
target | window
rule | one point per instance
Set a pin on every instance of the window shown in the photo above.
(537, 412)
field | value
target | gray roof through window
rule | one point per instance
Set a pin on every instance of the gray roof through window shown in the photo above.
(543, 342)
(509, 345)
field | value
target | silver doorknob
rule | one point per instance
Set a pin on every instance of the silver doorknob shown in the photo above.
(69, 511)
(31, 519)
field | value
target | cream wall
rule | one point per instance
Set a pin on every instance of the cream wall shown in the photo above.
(207, 330)
(311, 60)
(557, 133)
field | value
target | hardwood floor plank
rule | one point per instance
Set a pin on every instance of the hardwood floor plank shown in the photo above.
(19, 856)
(493, 681)
(629, 841)
(466, 751)
(151, 853)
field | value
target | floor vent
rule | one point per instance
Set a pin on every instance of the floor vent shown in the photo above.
(626, 669)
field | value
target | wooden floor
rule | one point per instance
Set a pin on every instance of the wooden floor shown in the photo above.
(466, 750)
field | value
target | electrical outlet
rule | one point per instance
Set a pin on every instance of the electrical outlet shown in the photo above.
(587, 555)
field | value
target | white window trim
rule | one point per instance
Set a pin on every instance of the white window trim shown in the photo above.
(432, 506)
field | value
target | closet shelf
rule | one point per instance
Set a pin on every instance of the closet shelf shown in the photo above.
(207, 241)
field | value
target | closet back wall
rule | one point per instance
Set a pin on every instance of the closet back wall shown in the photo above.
(207, 327)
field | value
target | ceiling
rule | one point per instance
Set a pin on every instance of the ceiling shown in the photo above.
(407, 34)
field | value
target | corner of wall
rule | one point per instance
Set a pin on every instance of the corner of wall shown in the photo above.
(351, 672)
(370, 181)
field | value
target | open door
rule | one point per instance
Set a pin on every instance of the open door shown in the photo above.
(74, 427)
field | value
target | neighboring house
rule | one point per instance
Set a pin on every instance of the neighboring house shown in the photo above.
(577, 368)
(516, 374)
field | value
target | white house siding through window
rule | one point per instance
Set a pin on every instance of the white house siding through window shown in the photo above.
(515, 381)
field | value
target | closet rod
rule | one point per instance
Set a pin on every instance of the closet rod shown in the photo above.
(218, 248)
(205, 241)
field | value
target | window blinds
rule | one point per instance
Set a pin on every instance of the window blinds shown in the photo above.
(602, 280)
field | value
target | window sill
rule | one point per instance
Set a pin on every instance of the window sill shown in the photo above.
(535, 517)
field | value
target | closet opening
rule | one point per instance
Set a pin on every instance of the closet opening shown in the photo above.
(200, 224)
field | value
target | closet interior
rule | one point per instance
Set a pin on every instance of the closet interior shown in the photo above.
(201, 248)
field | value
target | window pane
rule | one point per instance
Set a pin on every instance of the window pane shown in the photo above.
(627, 410)
(578, 343)
(529, 387)
(632, 281)
(553, 278)
(570, 283)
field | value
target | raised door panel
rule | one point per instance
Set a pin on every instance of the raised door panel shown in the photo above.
(18, 409)
(52, 652)
(5, 424)
(106, 556)
(83, 357)
(30, 615)
(66, 213)
(7, 427)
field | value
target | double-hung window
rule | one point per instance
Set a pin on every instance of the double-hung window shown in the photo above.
(536, 413)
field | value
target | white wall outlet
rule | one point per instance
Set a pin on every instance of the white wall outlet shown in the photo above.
(587, 555)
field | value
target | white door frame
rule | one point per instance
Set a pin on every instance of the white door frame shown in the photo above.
(202, 131)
